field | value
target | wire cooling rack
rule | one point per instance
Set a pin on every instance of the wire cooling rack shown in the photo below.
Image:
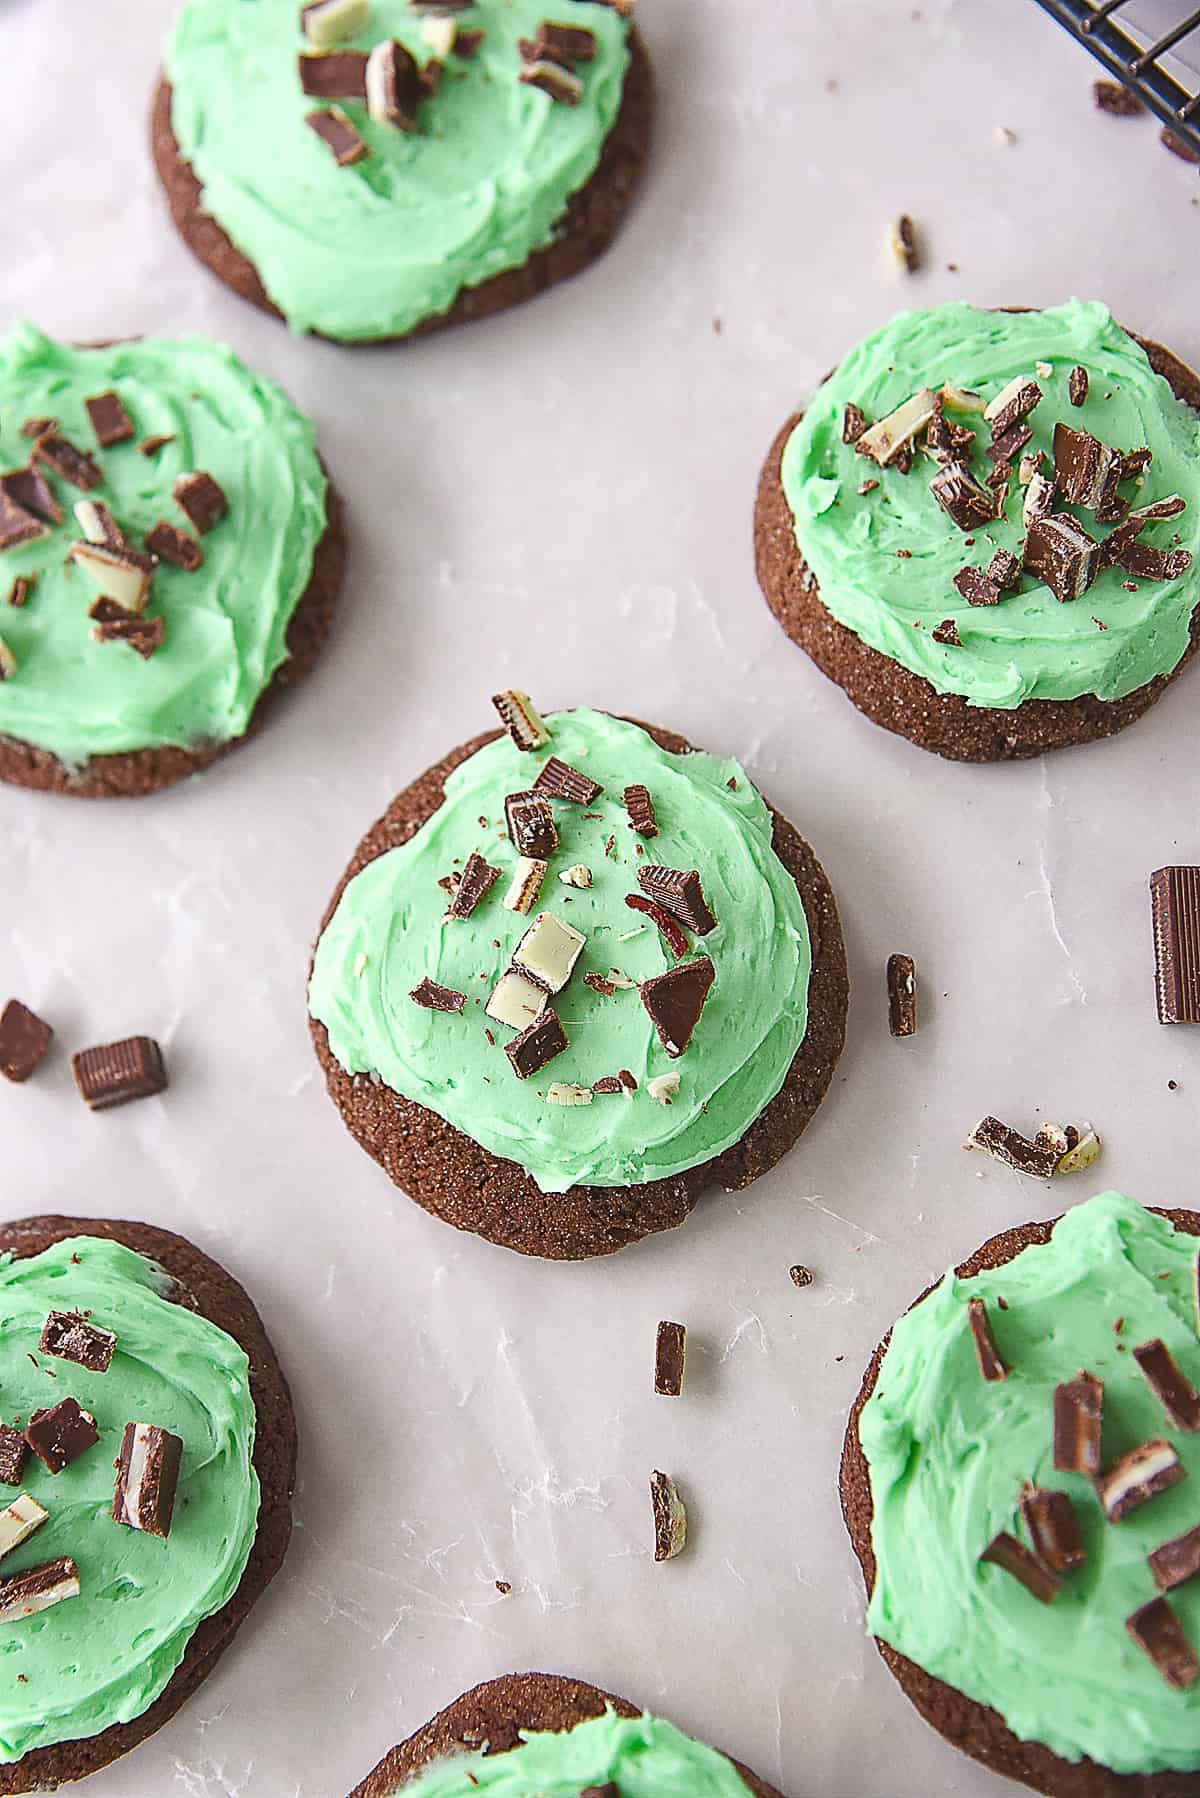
(1135, 57)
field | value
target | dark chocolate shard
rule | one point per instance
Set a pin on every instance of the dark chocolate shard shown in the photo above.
(1059, 552)
(202, 498)
(668, 927)
(1077, 380)
(1169, 1385)
(1079, 1425)
(174, 546)
(675, 1000)
(670, 1517)
(1170, 506)
(902, 995)
(565, 44)
(29, 488)
(1004, 570)
(1158, 1633)
(1146, 563)
(394, 86)
(437, 998)
(537, 1044)
(607, 1790)
(147, 1478)
(22, 587)
(17, 525)
(468, 44)
(14, 1451)
(531, 827)
(607, 1083)
(670, 1359)
(1053, 1528)
(334, 75)
(150, 446)
(640, 808)
(37, 1588)
(109, 419)
(1005, 1551)
(115, 1073)
(61, 1434)
(973, 585)
(476, 878)
(113, 623)
(71, 1337)
(680, 892)
(24, 1039)
(1009, 444)
(1008, 1145)
(1143, 1473)
(64, 460)
(800, 1276)
(991, 1363)
(854, 422)
(1175, 909)
(600, 984)
(1115, 545)
(1135, 462)
(1120, 102)
(1082, 465)
(430, 77)
(557, 780)
(947, 632)
(1011, 405)
(962, 497)
(38, 427)
(338, 134)
(1177, 1561)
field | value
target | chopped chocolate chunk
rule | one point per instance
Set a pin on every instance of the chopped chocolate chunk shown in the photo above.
(334, 75)
(516, 1001)
(1077, 380)
(670, 1359)
(1146, 563)
(607, 1083)
(1143, 1473)
(964, 499)
(1013, 1556)
(1170, 506)
(521, 719)
(150, 446)
(854, 423)
(902, 242)
(1053, 1528)
(1008, 446)
(1111, 97)
(670, 1517)
(1015, 1150)
(1176, 1561)
(884, 441)
(64, 460)
(469, 43)
(17, 524)
(946, 440)
(1039, 499)
(530, 824)
(18, 1521)
(98, 524)
(336, 131)
(548, 951)
(1135, 462)
(393, 86)
(61, 1434)
(678, 891)
(147, 1477)
(563, 44)
(902, 995)
(1059, 552)
(29, 488)
(114, 1073)
(556, 780)
(1113, 548)
(1080, 1150)
(201, 498)
(1169, 1385)
(991, 1363)
(1158, 1633)
(947, 632)
(1078, 1425)
(1081, 465)
(1179, 146)
(37, 1588)
(1012, 404)
(120, 574)
(1175, 907)
(115, 624)
(800, 1276)
(674, 1001)
(1004, 570)
(327, 22)
(599, 984)
(13, 1453)
(640, 807)
(433, 997)
(38, 427)
(8, 661)
(526, 885)
(559, 83)
(109, 419)
(977, 588)
(537, 1044)
(21, 588)
(69, 1336)
(176, 547)
(476, 878)
(24, 1039)
(668, 928)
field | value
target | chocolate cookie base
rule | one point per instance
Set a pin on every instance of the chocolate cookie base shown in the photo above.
(975, 1728)
(132, 773)
(492, 1715)
(205, 1287)
(464, 1184)
(584, 232)
(906, 703)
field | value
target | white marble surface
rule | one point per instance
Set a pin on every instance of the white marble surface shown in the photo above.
(561, 498)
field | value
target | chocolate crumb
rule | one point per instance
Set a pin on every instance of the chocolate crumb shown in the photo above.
(800, 1276)
(1116, 100)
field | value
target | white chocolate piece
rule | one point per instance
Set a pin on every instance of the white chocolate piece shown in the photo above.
(663, 1087)
(526, 884)
(1141, 1467)
(329, 22)
(549, 950)
(515, 1001)
(961, 399)
(1082, 1155)
(562, 85)
(114, 573)
(439, 34)
(563, 1093)
(1044, 370)
(98, 524)
(578, 876)
(18, 1522)
(8, 661)
(883, 441)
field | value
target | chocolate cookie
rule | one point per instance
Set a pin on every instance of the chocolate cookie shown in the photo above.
(202, 1287)
(896, 696)
(975, 1728)
(451, 1175)
(492, 1715)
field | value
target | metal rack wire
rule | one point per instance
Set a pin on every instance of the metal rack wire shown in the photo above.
(1135, 58)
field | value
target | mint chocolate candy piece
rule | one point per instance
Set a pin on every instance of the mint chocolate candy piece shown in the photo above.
(61, 1434)
(437, 998)
(71, 1337)
(147, 1478)
(558, 780)
(1175, 907)
(14, 1451)
(24, 1039)
(115, 1073)
(24, 1594)
(678, 891)
(1053, 1528)
(1166, 1380)
(109, 419)
(1078, 1424)
(1005, 1551)
(675, 1000)
(538, 1044)
(1158, 1633)
(530, 825)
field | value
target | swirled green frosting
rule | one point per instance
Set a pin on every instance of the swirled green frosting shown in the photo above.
(105, 1656)
(948, 1453)
(1031, 645)
(373, 249)
(645, 1757)
(226, 623)
(389, 932)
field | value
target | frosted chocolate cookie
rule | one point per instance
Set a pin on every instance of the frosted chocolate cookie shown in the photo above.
(1017, 1483)
(983, 527)
(367, 169)
(539, 1732)
(147, 1457)
(170, 556)
(575, 975)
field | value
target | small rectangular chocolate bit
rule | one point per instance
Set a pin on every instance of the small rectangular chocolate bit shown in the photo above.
(561, 84)
(640, 807)
(61, 1434)
(574, 43)
(991, 1363)
(1143, 1473)
(854, 422)
(201, 498)
(109, 419)
(1170, 1387)
(672, 932)
(558, 780)
(1012, 404)
(22, 587)
(114, 624)
(29, 487)
(37, 427)
(1170, 506)
(1005, 570)
(1009, 444)
(437, 998)
(530, 825)
(1059, 552)
(477, 878)
(334, 75)
(1158, 1633)
(1135, 462)
(674, 1001)
(1053, 1528)
(548, 951)
(1146, 563)
(670, 1517)
(680, 892)
(37, 1588)
(1177, 1561)
(902, 995)
(964, 499)
(1077, 382)
(71, 1337)
(17, 525)
(1005, 1551)
(14, 1451)
(607, 1790)
(973, 585)
(24, 1039)
(903, 245)
(150, 446)
(393, 86)
(18, 1521)
(1175, 909)
(174, 546)
(516, 1001)
(147, 1478)
(1082, 465)
(1078, 1425)
(670, 1358)
(521, 719)
(537, 1044)
(526, 884)
(64, 460)
(1008, 1145)
(114, 1073)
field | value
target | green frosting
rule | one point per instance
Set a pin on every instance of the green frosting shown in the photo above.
(105, 1656)
(389, 932)
(1031, 645)
(372, 249)
(948, 1453)
(226, 624)
(646, 1757)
